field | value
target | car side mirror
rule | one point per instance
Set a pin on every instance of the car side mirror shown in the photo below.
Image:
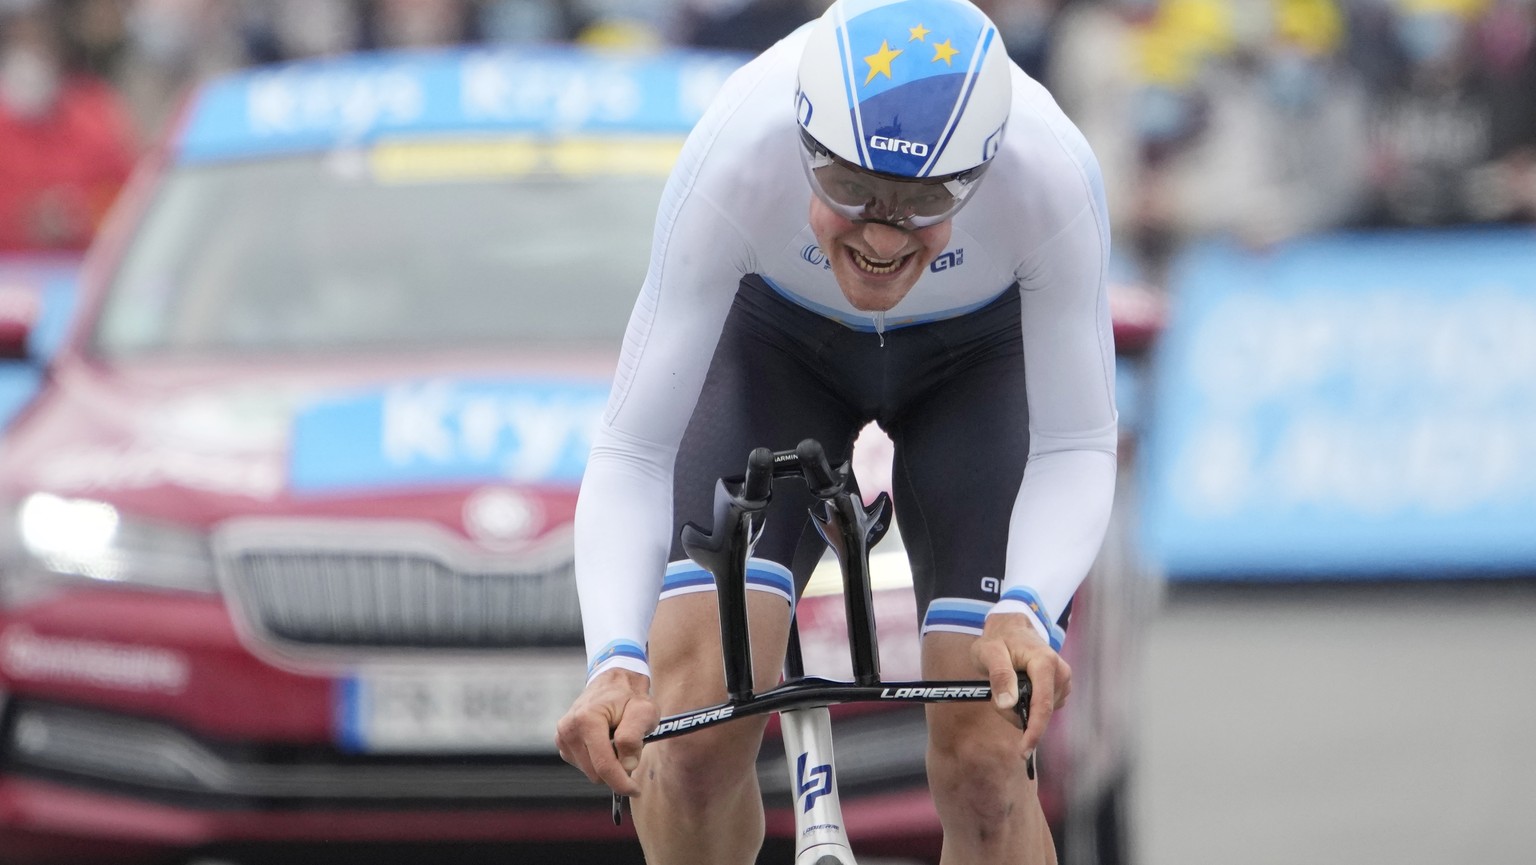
(20, 307)
(1138, 314)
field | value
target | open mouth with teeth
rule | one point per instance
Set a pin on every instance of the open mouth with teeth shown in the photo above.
(877, 266)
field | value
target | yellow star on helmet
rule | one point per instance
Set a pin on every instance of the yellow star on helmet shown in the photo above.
(880, 62)
(944, 51)
(919, 33)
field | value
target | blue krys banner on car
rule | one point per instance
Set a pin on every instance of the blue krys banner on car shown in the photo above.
(1359, 405)
(319, 105)
(446, 431)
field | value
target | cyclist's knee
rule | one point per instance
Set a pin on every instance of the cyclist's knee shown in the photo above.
(698, 766)
(974, 759)
(685, 650)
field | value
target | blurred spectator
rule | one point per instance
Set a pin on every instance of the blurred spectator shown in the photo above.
(621, 34)
(636, 24)
(1453, 133)
(275, 30)
(522, 21)
(1282, 144)
(1217, 118)
(1371, 46)
(419, 23)
(1027, 28)
(1506, 40)
(173, 44)
(752, 25)
(1262, 119)
(96, 33)
(1098, 77)
(66, 145)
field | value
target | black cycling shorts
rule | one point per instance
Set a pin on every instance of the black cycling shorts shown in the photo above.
(950, 394)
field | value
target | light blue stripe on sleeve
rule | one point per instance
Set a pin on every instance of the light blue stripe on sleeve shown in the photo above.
(618, 649)
(1030, 599)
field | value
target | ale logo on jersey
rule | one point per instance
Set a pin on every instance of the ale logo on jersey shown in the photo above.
(947, 260)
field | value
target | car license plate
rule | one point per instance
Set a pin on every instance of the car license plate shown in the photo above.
(512, 707)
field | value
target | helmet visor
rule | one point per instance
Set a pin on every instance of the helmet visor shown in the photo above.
(862, 195)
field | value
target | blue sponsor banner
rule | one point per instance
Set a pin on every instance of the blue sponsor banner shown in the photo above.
(446, 431)
(318, 105)
(1360, 405)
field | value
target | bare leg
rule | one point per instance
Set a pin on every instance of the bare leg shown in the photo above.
(700, 803)
(989, 807)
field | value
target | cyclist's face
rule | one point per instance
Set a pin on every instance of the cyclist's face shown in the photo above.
(875, 264)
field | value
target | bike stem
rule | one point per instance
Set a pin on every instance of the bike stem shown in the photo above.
(844, 523)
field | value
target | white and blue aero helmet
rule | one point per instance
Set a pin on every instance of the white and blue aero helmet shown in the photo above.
(905, 88)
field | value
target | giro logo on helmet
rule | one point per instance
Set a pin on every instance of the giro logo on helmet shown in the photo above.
(898, 145)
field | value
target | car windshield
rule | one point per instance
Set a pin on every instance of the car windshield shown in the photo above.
(333, 252)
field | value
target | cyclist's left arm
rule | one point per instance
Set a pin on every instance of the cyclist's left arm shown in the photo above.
(1062, 509)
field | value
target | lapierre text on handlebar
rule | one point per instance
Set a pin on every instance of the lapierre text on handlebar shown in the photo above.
(850, 529)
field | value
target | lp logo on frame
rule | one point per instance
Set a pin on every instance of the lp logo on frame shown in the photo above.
(813, 784)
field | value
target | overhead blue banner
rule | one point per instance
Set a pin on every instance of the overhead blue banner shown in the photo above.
(1361, 405)
(446, 431)
(318, 105)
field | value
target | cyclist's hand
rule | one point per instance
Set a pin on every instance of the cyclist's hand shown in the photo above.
(1008, 644)
(601, 734)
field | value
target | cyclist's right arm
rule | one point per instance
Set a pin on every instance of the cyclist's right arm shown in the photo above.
(624, 513)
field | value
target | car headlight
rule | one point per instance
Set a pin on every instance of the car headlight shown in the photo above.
(55, 539)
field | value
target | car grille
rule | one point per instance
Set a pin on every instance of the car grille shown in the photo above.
(402, 600)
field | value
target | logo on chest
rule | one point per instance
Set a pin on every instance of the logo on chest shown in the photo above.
(947, 260)
(814, 254)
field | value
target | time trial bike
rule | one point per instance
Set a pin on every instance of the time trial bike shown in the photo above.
(850, 529)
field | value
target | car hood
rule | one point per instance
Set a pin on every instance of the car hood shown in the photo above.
(198, 443)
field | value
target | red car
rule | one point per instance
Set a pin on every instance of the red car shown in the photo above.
(285, 545)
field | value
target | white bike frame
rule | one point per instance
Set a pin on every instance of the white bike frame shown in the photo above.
(820, 838)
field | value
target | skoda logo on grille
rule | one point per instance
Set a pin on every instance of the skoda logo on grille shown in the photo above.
(497, 515)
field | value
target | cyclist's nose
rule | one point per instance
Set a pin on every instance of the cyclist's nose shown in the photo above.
(885, 241)
(886, 208)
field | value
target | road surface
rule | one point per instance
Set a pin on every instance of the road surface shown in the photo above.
(1363, 724)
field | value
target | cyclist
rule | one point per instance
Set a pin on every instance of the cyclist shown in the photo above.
(850, 236)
